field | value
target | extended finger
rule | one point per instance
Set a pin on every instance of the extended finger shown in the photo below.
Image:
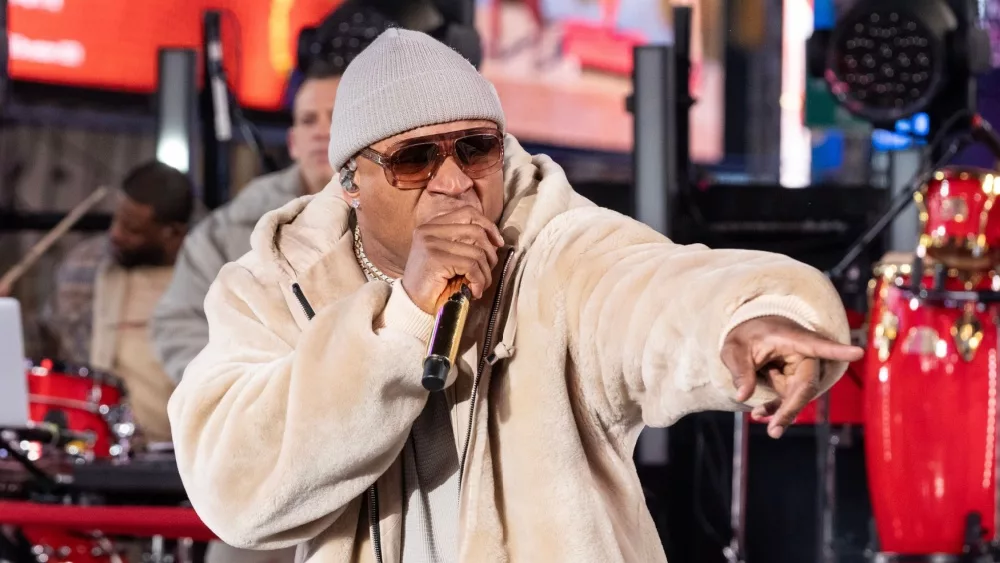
(470, 216)
(802, 388)
(812, 345)
(740, 364)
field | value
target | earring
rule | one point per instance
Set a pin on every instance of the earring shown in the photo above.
(356, 203)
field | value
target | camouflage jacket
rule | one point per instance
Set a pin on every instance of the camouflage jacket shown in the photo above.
(86, 294)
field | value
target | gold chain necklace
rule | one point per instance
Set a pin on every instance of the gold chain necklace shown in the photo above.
(371, 271)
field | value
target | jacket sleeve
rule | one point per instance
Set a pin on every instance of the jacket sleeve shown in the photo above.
(646, 318)
(179, 326)
(277, 430)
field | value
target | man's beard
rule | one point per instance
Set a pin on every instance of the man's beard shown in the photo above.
(140, 257)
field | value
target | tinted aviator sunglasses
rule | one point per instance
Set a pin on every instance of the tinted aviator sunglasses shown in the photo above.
(412, 163)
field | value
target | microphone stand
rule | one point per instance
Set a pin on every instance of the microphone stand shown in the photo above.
(215, 101)
(221, 104)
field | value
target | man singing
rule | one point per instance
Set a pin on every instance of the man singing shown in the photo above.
(304, 420)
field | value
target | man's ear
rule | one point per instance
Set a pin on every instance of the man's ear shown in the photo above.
(347, 178)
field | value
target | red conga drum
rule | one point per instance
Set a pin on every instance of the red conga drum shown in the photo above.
(931, 413)
(959, 227)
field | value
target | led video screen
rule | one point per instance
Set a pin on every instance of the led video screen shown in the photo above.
(562, 67)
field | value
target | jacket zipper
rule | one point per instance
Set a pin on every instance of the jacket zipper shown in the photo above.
(306, 307)
(488, 341)
(373, 519)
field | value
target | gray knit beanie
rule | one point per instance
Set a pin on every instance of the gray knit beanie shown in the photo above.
(404, 80)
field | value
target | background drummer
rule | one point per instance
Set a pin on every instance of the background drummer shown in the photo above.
(106, 288)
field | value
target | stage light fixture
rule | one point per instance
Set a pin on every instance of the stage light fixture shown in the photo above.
(889, 59)
(341, 36)
(353, 24)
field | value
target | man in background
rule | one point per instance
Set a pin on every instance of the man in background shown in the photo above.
(179, 327)
(106, 287)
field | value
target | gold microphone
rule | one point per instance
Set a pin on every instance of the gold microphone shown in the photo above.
(448, 328)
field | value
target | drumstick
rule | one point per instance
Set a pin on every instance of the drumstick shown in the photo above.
(43, 245)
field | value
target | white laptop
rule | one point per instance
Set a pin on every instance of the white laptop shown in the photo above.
(13, 378)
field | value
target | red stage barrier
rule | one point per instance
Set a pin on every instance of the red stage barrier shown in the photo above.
(144, 521)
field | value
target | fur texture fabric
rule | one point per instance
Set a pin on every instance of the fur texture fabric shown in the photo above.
(281, 424)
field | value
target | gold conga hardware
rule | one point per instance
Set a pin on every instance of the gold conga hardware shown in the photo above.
(885, 334)
(967, 334)
(76, 447)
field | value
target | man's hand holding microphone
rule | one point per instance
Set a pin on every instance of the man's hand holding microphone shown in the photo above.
(451, 261)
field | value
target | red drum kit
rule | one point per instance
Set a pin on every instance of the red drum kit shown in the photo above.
(930, 379)
(75, 470)
(78, 415)
(83, 400)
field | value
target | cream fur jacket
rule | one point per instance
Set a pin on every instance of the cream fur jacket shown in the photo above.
(289, 425)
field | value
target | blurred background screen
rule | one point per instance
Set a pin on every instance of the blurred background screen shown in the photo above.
(562, 67)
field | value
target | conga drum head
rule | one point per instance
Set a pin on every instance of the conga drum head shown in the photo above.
(886, 271)
(959, 225)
